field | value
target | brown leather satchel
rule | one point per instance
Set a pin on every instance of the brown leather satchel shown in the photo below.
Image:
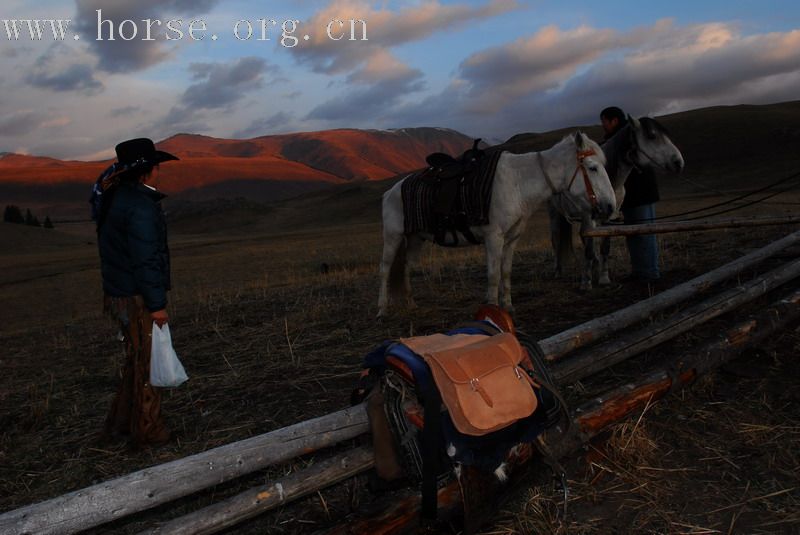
(480, 379)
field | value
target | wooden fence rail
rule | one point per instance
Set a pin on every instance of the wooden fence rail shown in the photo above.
(114, 499)
(686, 226)
(589, 332)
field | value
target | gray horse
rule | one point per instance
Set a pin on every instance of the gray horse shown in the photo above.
(640, 143)
(522, 184)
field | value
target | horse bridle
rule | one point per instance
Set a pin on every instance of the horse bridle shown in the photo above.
(581, 155)
(636, 148)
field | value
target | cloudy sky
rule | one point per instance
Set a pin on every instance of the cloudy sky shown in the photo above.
(489, 68)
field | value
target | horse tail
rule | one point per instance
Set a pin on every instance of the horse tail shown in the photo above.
(397, 273)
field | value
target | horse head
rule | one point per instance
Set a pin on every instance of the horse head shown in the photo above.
(651, 146)
(588, 187)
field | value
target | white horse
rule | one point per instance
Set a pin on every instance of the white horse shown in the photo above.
(522, 183)
(640, 143)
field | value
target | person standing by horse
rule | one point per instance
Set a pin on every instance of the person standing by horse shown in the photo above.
(135, 266)
(641, 194)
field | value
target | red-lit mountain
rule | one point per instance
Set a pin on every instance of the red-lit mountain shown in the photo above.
(329, 156)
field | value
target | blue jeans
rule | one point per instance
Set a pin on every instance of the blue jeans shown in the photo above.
(643, 249)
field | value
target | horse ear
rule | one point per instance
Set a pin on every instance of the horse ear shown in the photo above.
(579, 142)
(635, 122)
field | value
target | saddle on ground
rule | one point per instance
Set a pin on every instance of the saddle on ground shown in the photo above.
(463, 398)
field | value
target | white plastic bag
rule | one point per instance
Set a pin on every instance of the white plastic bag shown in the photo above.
(165, 368)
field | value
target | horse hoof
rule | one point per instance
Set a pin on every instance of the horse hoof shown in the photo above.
(412, 305)
(604, 281)
(586, 286)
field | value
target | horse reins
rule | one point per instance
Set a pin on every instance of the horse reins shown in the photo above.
(581, 156)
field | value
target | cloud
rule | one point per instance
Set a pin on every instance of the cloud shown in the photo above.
(537, 63)
(385, 82)
(125, 56)
(19, 123)
(274, 124)
(375, 79)
(689, 67)
(179, 119)
(218, 85)
(124, 111)
(555, 78)
(60, 68)
(385, 29)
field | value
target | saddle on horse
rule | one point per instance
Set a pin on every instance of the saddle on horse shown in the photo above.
(451, 195)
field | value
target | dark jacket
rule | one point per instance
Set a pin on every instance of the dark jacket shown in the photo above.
(641, 187)
(132, 237)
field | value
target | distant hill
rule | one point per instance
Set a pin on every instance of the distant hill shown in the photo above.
(330, 156)
(726, 148)
(267, 168)
(729, 148)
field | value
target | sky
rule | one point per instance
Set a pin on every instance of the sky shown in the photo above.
(487, 68)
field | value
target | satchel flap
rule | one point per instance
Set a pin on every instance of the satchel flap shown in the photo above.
(476, 361)
(435, 343)
(482, 384)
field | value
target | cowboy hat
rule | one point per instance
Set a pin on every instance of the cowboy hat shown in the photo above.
(141, 151)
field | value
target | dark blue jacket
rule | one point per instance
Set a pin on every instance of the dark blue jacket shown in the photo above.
(132, 237)
(641, 188)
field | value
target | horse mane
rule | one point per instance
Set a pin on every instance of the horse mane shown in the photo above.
(652, 125)
(569, 139)
(595, 146)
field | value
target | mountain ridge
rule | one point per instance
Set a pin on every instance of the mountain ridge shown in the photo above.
(325, 156)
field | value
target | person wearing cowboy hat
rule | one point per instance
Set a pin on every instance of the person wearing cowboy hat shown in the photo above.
(135, 267)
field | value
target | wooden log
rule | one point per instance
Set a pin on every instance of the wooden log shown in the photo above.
(255, 501)
(755, 330)
(159, 484)
(685, 226)
(592, 418)
(400, 514)
(560, 344)
(623, 347)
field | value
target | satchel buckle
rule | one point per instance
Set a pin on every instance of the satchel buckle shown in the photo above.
(476, 387)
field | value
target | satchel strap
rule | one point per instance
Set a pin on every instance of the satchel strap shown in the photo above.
(543, 376)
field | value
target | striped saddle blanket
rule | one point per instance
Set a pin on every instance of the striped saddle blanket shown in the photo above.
(439, 202)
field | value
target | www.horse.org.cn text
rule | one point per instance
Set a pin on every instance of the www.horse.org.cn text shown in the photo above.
(286, 32)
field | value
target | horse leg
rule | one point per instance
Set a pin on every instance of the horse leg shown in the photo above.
(393, 253)
(413, 247)
(605, 251)
(508, 259)
(589, 258)
(560, 239)
(555, 238)
(494, 255)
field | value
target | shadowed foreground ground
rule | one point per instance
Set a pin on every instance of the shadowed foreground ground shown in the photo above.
(268, 340)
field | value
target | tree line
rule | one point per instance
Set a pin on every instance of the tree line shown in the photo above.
(13, 214)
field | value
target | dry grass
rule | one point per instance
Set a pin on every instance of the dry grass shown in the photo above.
(268, 340)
